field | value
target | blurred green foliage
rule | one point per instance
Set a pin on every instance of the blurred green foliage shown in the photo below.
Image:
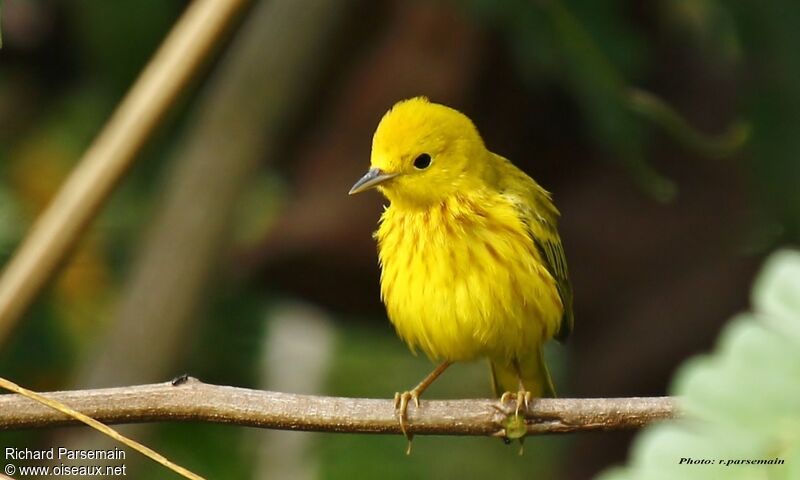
(741, 402)
(40, 147)
(761, 40)
(771, 96)
(592, 50)
(595, 50)
(117, 38)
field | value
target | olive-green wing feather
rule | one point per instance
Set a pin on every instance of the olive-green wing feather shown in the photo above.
(549, 245)
(540, 218)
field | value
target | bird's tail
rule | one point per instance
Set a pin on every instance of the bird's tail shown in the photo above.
(531, 369)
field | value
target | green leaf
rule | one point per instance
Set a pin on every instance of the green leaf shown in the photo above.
(741, 402)
(778, 294)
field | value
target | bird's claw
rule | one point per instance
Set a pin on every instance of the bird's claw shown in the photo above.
(401, 401)
(522, 397)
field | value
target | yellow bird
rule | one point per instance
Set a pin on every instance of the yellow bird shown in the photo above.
(471, 262)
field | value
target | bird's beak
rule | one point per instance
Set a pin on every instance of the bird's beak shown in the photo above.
(373, 178)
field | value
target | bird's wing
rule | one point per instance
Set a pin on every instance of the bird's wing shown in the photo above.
(549, 245)
(540, 218)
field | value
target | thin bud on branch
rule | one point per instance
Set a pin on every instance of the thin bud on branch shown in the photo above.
(192, 400)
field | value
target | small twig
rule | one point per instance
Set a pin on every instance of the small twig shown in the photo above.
(56, 406)
(646, 104)
(195, 401)
(663, 114)
(79, 199)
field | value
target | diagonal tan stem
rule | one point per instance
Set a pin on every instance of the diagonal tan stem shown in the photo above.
(102, 428)
(57, 230)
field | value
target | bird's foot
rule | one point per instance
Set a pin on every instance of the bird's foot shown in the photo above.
(401, 401)
(522, 397)
(511, 428)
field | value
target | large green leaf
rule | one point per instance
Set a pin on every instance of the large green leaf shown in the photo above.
(742, 402)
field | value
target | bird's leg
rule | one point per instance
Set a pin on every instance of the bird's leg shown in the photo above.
(401, 399)
(515, 426)
(522, 396)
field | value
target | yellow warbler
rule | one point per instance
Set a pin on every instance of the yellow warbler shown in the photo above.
(472, 264)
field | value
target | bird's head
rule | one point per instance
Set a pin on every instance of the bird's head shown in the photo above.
(423, 152)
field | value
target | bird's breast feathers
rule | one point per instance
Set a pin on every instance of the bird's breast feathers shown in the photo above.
(464, 279)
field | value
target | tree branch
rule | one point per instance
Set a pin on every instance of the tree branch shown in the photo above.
(194, 401)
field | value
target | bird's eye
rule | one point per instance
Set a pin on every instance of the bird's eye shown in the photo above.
(422, 162)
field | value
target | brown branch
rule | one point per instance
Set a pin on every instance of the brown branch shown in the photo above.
(195, 401)
(100, 427)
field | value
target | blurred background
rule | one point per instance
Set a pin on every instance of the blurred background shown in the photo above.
(666, 130)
